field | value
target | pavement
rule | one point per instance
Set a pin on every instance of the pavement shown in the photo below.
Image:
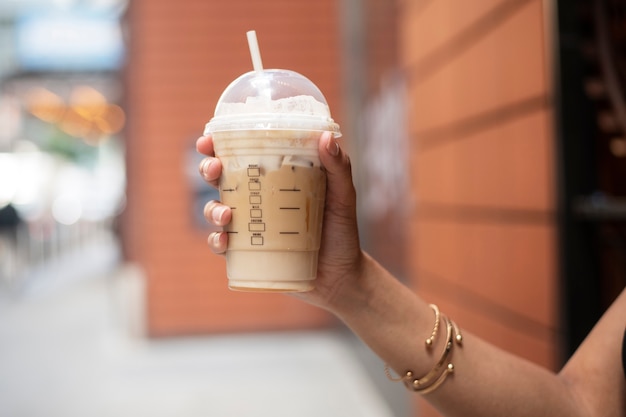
(71, 345)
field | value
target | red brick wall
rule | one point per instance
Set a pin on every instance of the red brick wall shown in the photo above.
(483, 231)
(182, 55)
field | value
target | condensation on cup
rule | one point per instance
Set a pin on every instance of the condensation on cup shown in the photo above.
(266, 129)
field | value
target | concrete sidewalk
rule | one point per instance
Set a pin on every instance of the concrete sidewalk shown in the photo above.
(69, 351)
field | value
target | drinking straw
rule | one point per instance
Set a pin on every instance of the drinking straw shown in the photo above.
(254, 51)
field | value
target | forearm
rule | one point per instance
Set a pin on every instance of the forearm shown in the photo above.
(487, 381)
(387, 316)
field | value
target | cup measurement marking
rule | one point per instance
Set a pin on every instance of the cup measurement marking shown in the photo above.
(256, 217)
(256, 225)
(290, 190)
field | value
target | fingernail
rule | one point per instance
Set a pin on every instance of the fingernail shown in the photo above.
(218, 213)
(204, 166)
(333, 146)
(216, 239)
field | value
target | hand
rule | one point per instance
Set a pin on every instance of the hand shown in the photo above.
(340, 258)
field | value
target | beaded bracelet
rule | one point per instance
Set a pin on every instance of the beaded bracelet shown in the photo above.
(433, 334)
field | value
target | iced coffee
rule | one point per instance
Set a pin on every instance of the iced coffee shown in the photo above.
(266, 129)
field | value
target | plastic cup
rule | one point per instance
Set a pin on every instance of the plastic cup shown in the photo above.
(266, 129)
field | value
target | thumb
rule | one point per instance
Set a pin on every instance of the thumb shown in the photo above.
(340, 192)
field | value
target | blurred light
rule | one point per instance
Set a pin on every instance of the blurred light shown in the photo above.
(92, 106)
(25, 177)
(30, 179)
(69, 41)
(74, 124)
(618, 147)
(112, 120)
(45, 105)
(19, 7)
(67, 209)
(87, 114)
(84, 96)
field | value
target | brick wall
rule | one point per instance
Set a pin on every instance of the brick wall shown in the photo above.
(182, 55)
(483, 230)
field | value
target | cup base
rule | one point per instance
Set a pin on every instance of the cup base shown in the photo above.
(271, 271)
(273, 287)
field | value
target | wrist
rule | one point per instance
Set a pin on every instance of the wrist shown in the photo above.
(354, 291)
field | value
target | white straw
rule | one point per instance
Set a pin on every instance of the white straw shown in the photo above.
(254, 51)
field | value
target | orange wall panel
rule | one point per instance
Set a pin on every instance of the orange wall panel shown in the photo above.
(509, 166)
(512, 265)
(533, 343)
(434, 24)
(503, 68)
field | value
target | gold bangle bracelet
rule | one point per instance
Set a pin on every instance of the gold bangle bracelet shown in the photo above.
(429, 342)
(449, 369)
(426, 390)
(418, 383)
(437, 375)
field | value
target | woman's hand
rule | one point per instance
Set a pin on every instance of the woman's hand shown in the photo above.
(340, 258)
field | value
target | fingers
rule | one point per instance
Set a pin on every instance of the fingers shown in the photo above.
(340, 192)
(217, 213)
(218, 242)
(210, 170)
(220, 215)
(204, 145)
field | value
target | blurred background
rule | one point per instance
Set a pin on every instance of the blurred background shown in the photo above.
(489, 147)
